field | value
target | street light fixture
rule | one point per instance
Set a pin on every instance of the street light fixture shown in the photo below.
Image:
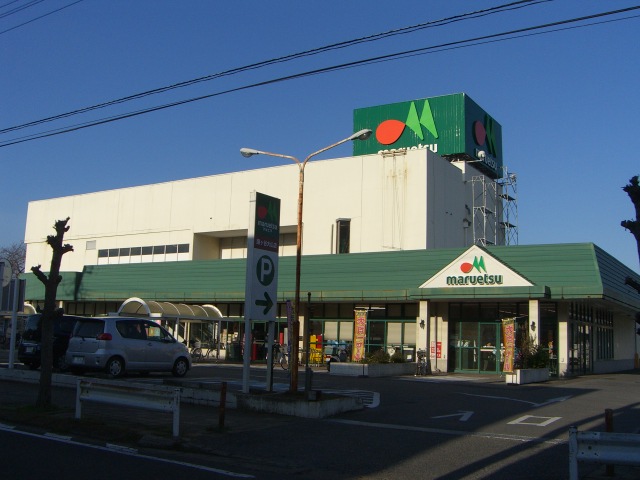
(249, 152)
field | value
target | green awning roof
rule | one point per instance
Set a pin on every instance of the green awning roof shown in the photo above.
(560, 271)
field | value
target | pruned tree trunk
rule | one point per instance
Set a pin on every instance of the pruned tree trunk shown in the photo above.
(50, 283)
(633, 190)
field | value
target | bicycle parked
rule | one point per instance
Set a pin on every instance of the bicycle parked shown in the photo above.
(201, 351)
(280, 356)
(422, 367)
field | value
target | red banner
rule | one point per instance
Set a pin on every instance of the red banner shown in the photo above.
(359, 335)
(509, 336)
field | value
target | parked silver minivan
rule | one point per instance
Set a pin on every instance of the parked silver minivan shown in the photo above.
(117, 345)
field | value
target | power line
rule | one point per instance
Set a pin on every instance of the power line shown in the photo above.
(273, 61)
(504, 36)
(19, 9)
(38, 18)
(10, 3)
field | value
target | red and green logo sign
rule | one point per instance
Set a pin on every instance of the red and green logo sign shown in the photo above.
(478, 264)
(451, 125)
(474, 274)
(390, 131)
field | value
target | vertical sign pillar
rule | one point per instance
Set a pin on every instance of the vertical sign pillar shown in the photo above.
(261, 290)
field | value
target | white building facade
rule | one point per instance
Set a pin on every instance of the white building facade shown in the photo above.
(372, 203)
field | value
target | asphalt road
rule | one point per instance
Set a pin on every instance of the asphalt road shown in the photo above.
(459, 426)
(445, 427)
(26, 455)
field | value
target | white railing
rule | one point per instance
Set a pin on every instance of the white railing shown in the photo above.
(151, 397)
(602, 447)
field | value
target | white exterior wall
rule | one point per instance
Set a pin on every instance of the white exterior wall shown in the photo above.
(624, 335)
(402, 202)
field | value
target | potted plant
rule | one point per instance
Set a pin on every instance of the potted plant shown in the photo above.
(375, 364)
(530, 365)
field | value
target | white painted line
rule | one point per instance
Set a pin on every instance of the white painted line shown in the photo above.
(463, 414)
(548, 402)
(534, 420)
(137, 455)
(439, 378)
(56, 436)
(409, 428)
(121, 448)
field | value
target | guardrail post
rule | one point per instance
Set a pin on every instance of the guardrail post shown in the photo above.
(78, 403)
(573, 453)
(223, 404)
(176, 413)
(608, 423)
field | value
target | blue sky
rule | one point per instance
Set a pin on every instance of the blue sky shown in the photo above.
(567, 100)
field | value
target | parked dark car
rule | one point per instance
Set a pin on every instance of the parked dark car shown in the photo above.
(30, 344)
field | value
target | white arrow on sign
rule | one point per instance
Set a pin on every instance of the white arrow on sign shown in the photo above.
(463, 414)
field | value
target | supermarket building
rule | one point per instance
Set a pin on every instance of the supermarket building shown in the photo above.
(418, 228)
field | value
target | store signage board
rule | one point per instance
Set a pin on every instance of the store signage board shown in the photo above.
(476, 268)
(450, 125)
(261, 292)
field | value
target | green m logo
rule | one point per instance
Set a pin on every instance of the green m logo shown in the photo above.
(389, 131)
(478, 264)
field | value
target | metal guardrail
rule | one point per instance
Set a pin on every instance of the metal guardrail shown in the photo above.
(602, 447)
(151, 397)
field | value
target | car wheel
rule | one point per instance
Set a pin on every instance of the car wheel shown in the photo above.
(115, 367)
(34, 365)
(180, 368)
(61, 364)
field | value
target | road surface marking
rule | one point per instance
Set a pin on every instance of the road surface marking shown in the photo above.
(409, 428)
(463, 414)
(534, 420)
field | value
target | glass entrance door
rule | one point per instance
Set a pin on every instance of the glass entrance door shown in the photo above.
(467, 353)
(490, 351)
(479, 348)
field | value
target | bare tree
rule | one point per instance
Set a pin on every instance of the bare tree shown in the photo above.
(633, 190)
(51, 283)
(15, 254)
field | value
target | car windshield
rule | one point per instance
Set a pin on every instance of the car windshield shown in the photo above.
(88, 328)
(32, 328)
(64, 325)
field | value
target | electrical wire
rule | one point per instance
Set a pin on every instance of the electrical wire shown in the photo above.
(41, 16)
(503, 36)
(19, 9)
(10, 3)
(287, 58)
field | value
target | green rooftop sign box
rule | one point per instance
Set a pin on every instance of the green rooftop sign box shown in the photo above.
(451, 125)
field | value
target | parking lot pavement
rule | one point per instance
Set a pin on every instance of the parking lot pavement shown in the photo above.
(200, 426)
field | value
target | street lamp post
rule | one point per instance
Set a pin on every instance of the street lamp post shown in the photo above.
(248, 152)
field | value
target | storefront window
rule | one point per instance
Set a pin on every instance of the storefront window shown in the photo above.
(394, 338)
(331, 331)
(394, 334)
(409, 341)
(375, 336)
(549, 334)
(488, 312)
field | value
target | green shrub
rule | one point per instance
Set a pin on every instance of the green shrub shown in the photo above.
(379, 356)
(531, 355)
(397, 357)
